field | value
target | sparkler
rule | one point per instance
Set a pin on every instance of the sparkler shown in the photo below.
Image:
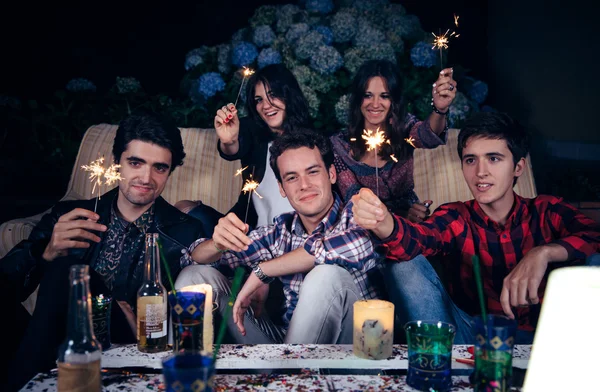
(97, 172)
(441, 41)
(250, 186)
(246, 72)
(239, 171)
(375, 140)
(410, 141)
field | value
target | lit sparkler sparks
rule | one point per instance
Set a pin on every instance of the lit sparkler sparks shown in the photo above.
(97, 172)
(246, 72)
(239, 171)
(373, 141)
(441, 41)
(249, 187)
(410, 141)
(394, 158)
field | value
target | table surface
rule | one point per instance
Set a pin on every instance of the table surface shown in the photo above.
(291, 367)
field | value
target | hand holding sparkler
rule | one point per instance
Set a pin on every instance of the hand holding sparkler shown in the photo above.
(444, 91)
(227, 124)
(230, 233)
(73, 230)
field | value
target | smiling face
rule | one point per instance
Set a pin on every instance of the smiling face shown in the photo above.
(145, 168)
(489, 171)
(272, 112)
(376, 103)
(306, 182)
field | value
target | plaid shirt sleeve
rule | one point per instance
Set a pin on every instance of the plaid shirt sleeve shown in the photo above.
(577, 233)
(436, 235)
(347, 245)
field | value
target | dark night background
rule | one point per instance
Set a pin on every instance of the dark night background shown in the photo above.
(536, 57)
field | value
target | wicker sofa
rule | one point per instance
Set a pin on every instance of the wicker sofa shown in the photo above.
(207, 177)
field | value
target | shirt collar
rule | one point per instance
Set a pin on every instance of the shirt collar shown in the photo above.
(515, 216)
(326, 223)
(143, 223)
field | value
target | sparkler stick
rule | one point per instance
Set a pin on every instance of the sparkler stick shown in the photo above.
(246, 72)
(374, 140)
(441, 41)
(250, 186)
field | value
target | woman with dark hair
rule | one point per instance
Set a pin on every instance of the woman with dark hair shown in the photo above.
(276, 105)
(377, 103)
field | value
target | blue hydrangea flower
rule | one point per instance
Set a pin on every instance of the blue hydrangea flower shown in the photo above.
(303, 74)
(285, 17)
(264, 15)
(370, 5)
(459, 110)
(210, 83)
(241, 35)
(343, 26)
(263, 36)
(128, 85)
(268, 56)
(422, 55)
(342, 109)
(80, 85)
(409, 27)
(326, 60)
(313, 100)
(223, 58)
(319, 6)
(307, 45)
(367, 35)
(478, 91)
(296, 31)
(194, 58)
(395, 40)
(244, 53)
(353, 59)
(326, 33)
(380, 51)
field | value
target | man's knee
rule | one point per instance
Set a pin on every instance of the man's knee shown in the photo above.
(327, 278)
(198, 274)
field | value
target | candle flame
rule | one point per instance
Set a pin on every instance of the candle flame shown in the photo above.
(239, 171)
(410, 141)
(374, 140)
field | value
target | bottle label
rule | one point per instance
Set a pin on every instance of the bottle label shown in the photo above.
(79, 377)
(153, 323)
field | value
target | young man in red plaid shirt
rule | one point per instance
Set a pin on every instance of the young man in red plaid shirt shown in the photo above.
(518, 241)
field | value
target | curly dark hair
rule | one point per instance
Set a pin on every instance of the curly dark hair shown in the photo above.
(395, 121)
(282, 84)
(152, 129)
(297, 138)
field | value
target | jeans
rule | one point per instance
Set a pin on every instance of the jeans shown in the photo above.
(323, 314)
(593, 260)
(418, 294)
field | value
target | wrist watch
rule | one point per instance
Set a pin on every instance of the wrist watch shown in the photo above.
(261, 275)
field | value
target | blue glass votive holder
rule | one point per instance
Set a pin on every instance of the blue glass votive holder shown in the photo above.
(189, 371)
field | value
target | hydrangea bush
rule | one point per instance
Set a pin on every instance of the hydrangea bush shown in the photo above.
(324, 43)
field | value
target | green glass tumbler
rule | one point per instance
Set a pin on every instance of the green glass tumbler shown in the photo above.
(429, 355)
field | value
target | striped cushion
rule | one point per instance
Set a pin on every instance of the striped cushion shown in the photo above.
(438, 175)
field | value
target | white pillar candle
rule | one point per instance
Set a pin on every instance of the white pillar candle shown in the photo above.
(373, 329)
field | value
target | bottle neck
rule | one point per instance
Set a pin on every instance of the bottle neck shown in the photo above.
(80, 305)
(152, 261)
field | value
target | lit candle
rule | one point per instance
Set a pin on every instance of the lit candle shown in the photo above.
(373, 329)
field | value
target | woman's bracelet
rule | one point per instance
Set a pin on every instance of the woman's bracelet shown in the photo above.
(439, 111)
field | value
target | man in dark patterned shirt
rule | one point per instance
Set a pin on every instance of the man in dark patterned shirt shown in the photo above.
(518, 241)
(110, 239)
(323, 259)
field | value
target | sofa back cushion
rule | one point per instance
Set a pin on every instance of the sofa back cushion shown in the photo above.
(438, 175)
(203, 176)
